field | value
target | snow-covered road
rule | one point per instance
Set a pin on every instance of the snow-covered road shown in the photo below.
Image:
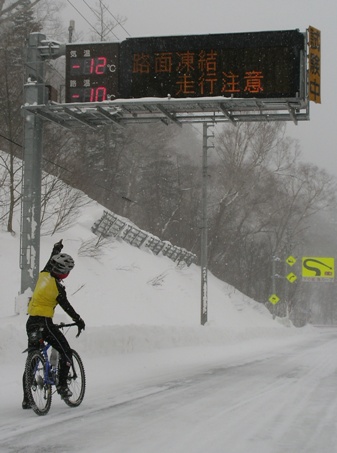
(275, 398)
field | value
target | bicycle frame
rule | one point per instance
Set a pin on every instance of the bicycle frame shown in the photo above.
(41, 373)
(50, 373)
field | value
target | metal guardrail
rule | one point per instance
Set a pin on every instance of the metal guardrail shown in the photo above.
(112, 225)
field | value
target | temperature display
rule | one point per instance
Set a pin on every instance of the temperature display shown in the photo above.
(88, 66)
(92, 72)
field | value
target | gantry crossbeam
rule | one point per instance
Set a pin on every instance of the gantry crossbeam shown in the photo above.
(145, 110)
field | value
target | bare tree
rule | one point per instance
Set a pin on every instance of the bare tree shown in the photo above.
(10, 188)
(60, 205)
(263, 195)
(106, 22)
(61, 201)
(15, 29)
(9, 10)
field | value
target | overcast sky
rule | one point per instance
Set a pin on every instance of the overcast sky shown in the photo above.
(318, 137)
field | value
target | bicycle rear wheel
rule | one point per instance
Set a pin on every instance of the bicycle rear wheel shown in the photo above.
(76, 382)
(38, 392)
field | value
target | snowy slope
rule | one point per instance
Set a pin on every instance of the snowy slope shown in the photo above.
(132, 300)
(143, 335)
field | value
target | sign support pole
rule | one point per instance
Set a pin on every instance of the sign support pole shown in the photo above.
(34, 93)
(204, 289)
(203, 262)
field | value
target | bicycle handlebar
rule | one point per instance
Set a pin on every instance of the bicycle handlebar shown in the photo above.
(61, 325)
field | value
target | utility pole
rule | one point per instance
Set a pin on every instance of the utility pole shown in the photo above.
(71, 30)
(204, 252)
(35, 93)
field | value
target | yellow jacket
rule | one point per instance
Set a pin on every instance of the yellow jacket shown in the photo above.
(49, 292)
(44, 299)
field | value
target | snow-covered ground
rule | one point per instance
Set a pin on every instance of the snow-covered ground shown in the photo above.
(143, 330)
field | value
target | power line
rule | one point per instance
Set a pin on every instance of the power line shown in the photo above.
(99, 18)
(11, 141)
(54, 69)
(96, 31)
(92, 10)
(119, 23)
(109, 190)
(69, 171)
(107, 9)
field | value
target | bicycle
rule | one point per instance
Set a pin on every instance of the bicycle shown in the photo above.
(41, 375)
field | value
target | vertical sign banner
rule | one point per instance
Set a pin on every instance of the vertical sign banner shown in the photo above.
(314, 65)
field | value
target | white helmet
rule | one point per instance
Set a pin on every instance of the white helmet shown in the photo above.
(62, 263)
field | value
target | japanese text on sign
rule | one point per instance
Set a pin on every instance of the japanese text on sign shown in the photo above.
(198, 74)
(314, 65)
(237, 65)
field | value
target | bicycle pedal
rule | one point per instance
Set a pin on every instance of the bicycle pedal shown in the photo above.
(64, 392)
(26, 405)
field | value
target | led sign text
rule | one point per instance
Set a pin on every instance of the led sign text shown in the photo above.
(237, 65)
(91, 74)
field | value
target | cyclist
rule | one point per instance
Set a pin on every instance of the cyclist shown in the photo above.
(48, 293)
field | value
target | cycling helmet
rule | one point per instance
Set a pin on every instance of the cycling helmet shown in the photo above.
(62, 264)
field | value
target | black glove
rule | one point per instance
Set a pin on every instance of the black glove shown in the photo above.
(58, 246)
(81, 326)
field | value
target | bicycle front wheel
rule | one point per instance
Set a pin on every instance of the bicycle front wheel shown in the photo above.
(38, 391)
(76, 382)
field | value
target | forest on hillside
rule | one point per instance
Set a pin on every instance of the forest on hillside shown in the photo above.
(264, 203)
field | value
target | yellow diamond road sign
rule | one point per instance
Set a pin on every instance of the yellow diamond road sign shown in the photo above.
(291, 277)
(291, 260)
(273, 299)
(316, 268)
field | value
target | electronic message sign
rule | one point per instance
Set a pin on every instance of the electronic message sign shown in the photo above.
(239, 65)
(91, 72)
